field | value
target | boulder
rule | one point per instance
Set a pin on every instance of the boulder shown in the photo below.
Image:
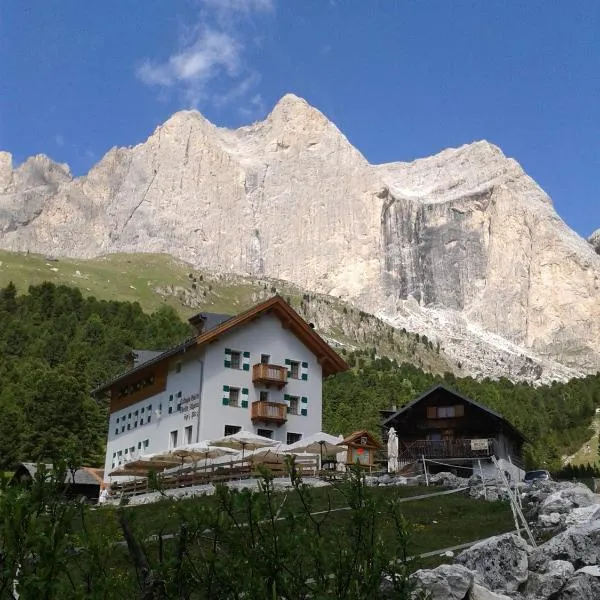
(478, 592)
(446, 582)
(565, 500)
(448, 480)
(543, 585)
(500, 562)
(582, 586)
(579, 545)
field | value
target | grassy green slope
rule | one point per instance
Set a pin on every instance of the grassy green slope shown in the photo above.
(155, 279)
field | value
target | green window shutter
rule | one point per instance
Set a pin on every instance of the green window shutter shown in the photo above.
(227, 350)
(289, 410)
(287, 361)
(244, 403)
(304, 412)
(305, 365)
(286, 397)
(225, 401)
(225, 388)
(246, 354)
(244, 391)
(227, 358)
(304, 376)
(246, 367)
(246, 361)
(304, 371)
(304, 400)
(227, 363)
(225, 395)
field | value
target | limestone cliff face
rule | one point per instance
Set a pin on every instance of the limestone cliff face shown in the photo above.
(594, 240)
(462, 246)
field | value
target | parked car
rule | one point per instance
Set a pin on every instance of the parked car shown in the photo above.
(539, 475)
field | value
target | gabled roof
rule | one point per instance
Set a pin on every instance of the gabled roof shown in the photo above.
(331, 362)
(358, 434)
(441, 387)
(83, 475)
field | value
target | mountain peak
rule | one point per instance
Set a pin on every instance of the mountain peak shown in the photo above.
(293, 108)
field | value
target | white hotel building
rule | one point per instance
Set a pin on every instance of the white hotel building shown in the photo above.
(261, 370)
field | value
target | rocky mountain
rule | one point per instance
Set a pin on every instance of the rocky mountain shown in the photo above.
(594, 240)
(462, 246)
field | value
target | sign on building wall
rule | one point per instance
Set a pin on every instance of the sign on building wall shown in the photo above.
(479, 444)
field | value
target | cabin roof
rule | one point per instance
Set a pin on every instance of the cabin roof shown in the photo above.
(331, 361)
(83, 475)
(351, 439)
(386, 423)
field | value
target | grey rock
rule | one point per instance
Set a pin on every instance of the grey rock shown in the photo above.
(581, 586)
(579, 545)
(565, 500)
(446, 582)
(543, 585)
(478, 592)
(500, 562)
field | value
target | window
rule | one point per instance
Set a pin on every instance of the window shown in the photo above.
(122, 428)
(234, 396)
(264, 396)
(178, 367)
(187, 434)
(236, 359)
(135, 424)
(137, 413)
(266, 433)
(293, 437)
(445, 412)
(139, 445)
(128, 426)
(117, 419)
(132, 450)
(364, 440)
(149, 419)
(294, 408)
(146, 443)
(117, 431)
(142, 409)
(179, 394)
(265, 359)
(231, 429)
(295, 370)
(173, 440)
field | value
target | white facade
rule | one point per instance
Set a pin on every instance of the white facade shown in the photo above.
(196, 403)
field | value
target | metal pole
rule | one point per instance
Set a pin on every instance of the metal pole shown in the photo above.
(425, 469)
(482, 478)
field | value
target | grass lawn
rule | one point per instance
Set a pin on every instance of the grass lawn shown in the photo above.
(436, 523)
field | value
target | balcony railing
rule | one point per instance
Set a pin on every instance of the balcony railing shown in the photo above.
(269, 412)
(461, 448)
(269, 374)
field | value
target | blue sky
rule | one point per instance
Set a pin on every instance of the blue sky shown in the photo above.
(402, 79)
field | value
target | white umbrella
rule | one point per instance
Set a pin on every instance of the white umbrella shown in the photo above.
(340, 457)
(244, 440)
(392, 451)
(319, 443)
(201, 450)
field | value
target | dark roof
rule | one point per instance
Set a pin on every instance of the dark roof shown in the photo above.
(142, 356)
(212, 320)
(331, 362)
(446, 389)
(83, 475)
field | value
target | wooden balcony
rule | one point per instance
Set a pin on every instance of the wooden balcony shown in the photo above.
(269, 375)
(458, 448)
(269, 412)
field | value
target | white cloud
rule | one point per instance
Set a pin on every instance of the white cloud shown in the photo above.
(209, 63)
(59, 140)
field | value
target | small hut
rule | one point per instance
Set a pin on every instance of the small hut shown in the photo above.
(362, 448)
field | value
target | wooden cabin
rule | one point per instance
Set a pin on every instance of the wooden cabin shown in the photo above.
(362, 448)
(85, 482)
(444, 425)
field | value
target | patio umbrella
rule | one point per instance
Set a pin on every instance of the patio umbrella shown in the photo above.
(392, 451)
(244, 440)
(340, 457)
(318, 443)
(202, 450)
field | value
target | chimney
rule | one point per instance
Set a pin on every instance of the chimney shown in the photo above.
(197, 322)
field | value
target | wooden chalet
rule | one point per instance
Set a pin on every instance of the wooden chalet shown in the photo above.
(362, 448)
(444, 425)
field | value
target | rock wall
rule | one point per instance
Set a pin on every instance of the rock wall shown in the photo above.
(462, 246)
